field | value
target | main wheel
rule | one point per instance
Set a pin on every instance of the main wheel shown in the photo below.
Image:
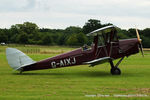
(115, 71)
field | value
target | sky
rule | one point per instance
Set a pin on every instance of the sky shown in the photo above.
(59, 14)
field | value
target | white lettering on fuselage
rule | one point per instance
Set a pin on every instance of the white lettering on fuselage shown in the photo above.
(64, 62)
(53, 64)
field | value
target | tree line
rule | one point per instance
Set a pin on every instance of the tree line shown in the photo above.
(30, 33)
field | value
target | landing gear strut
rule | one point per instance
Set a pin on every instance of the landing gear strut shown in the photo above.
(21, 70)
(114, 69)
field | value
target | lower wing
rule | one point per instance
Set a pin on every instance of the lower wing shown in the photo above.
(98, 61)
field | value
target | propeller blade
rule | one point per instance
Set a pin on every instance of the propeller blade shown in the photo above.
(140, 43)
(138, 36)
(141, 49)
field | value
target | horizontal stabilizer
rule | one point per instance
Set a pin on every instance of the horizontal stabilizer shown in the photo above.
(98, 61)
(17, 59)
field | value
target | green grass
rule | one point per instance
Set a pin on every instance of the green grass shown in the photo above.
(74, 82)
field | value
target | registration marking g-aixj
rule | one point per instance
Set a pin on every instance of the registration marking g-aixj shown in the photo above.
(64, 62)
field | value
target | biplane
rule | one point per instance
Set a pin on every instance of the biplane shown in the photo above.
(105, 48)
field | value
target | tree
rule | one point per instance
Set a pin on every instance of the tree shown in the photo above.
(27, 29)
(77, 40)
(122, 34)
(72, 40)
(22, 38)
(55, 37)
(29, 33)
(132, 33)
(3, 37)
(73, 29)
(62, 39)
(91, 25)
(146, 32)
(82, 39)
(46, 39)
(146, 42)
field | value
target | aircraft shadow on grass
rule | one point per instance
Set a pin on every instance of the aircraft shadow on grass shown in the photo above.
(81, 73)
(76, 74)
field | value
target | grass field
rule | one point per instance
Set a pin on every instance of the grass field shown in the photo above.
(74, 83)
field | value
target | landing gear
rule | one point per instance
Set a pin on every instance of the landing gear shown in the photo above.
(21, 70)
(114, 69)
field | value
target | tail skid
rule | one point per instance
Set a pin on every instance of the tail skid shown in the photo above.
(17, 59)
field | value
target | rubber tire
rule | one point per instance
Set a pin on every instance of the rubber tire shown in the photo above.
(115, 71)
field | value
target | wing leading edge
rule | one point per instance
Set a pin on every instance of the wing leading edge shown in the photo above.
(99, 31)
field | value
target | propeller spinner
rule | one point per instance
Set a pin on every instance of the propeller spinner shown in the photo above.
(140, 42)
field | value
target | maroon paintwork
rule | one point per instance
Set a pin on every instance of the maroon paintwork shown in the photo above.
(113, 49)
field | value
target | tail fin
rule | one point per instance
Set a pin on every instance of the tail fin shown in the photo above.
(17, 59)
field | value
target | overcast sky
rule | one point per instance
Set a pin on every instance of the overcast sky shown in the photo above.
(60, 14)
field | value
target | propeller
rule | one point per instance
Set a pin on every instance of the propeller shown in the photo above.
(140, 42)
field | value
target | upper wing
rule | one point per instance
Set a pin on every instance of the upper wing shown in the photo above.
(99, 31)
(98, 61)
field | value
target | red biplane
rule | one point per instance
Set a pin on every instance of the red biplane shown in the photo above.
(105, 48)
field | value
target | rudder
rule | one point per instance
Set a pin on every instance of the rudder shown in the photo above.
(17, 59)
